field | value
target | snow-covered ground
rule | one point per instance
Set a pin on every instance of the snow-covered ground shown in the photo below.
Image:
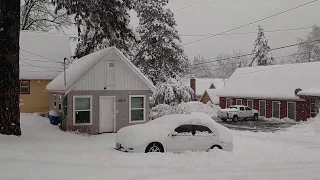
(43, 152)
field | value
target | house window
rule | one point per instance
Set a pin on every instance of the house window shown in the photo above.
(292, 110)
(25, 87)
(250, 103)
(314, 110)
(262, 108)
(111, 81)
(60, 103)
(276, 109)
(55, 100)
(82, 110)
(239, 102)
(228, 102)
(137, 109)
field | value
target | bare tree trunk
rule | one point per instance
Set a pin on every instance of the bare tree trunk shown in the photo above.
(9, 67)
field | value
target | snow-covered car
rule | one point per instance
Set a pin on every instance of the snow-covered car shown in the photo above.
(238, 112)
(175, 133)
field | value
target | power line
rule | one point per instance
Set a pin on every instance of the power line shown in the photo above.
(241, 33)
(197, 7)
(242, 26)
(248, 54)
(46, 68)
(189, 6)
(39, 55)
(38, 60)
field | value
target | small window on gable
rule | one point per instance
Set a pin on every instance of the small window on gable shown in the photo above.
(25, 87)
(111, 77)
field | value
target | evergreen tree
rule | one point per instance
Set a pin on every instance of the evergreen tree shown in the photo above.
(100, 24)
(9, 71)
(159, 55)
(262, 52)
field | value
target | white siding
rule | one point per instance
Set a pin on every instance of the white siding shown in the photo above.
(98, 76)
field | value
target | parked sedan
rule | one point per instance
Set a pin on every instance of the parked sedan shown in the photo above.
(175, 133)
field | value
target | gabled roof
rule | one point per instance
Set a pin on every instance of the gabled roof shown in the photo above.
(203, 84)
(212, 93)
(272, 82)
(42, 54)
(81, 66)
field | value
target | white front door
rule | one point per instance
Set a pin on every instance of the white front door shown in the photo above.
(107, 114)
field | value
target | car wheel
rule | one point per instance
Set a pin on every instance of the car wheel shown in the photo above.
(235, 118)
(216, 147)
(256, 117)
(154, 147)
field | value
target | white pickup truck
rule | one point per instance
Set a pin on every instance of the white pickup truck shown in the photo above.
(237, 112)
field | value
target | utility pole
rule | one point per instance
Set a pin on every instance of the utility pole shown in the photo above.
(64, 70)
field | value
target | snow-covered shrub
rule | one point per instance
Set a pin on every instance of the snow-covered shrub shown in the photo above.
(172, 92)
(183, 108)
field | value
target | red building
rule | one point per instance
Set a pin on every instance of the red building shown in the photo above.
(280, 91)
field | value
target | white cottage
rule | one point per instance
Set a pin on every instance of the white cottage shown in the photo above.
(103, 92)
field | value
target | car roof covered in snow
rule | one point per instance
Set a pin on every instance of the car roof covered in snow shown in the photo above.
(42, 54)
(272, 82)
(203, 84)
(174, 120)
(80, 67)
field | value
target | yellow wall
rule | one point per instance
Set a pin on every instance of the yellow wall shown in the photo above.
(38, 99)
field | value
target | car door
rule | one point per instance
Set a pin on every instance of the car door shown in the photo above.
(204, 138)
(182, 140)
(249, 112)
(242, 112)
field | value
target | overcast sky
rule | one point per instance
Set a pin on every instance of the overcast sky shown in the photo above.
(215, 16)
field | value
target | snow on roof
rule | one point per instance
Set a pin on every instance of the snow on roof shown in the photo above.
(212, 93)
(310, 92)
(272, 82)
(203, 84)
(42, 54)
(81, 66)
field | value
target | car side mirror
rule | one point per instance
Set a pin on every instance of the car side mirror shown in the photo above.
(174, 134)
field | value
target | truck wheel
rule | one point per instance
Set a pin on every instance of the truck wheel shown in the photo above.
(235, 118)
(256, 117)
(224, 119)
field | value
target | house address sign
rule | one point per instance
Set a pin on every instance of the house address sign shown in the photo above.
(121, 100)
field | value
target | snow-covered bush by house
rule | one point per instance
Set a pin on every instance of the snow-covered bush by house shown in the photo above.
(172, 92)
(184, 108)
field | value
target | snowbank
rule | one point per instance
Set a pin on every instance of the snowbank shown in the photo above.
(183, 108)
(44, 152)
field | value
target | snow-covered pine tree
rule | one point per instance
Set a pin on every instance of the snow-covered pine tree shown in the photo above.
(262, 52)
(9, 71)
(100, 24)
(171, 92)
(159, 54)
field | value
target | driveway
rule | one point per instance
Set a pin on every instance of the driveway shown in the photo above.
(256, 126)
